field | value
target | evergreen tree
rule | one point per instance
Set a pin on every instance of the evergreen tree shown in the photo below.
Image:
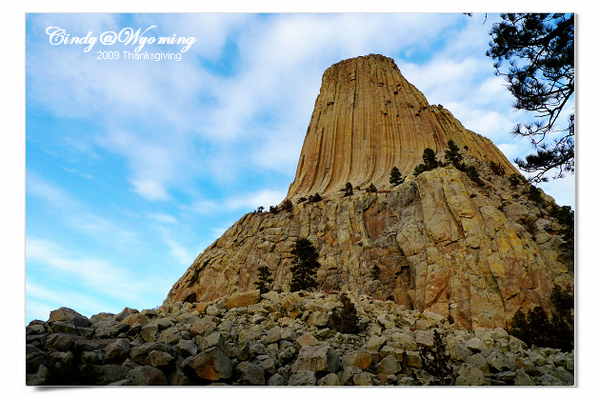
(348, 191)
(453, 156)
(541, 76)
(346, 319)
(286, 206)
(264, 279)
(396, 177)
(371, 188)
(304, 266)
(430, 162)
(316, 197)
(436, 361)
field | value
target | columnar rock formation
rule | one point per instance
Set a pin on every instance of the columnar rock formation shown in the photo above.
(475, 251)
(368, 119)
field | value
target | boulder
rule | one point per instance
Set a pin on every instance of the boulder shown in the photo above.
(251, 374)
(318, 359)
(302, 378)
(212, 365)
(69, 316)
(243, 299)
(361, 359)
(147, 375)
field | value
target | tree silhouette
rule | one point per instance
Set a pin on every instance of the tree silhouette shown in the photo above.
(264, 279)
(541, 76)
(396, 177)
(304, 266)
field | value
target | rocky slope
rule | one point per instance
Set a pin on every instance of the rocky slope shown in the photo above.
(277, 339)
(476, 249)
(443, 244)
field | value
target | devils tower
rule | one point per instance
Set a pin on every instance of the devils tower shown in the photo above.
(475, 250)
(368, 119)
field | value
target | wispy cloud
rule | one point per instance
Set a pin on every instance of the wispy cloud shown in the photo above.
(95, 276)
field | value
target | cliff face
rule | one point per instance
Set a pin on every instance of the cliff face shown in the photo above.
(368, 119)
(476, 251)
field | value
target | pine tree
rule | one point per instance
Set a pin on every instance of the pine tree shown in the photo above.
(264, 279)
(430, 162)
(346, 318)
(348, 191)
(436, 361)
(540, 49)
(396, 177)
(304, 266)
(453, 156)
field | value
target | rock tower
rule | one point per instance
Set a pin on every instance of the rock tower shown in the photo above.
(368, 119)
(475, 250)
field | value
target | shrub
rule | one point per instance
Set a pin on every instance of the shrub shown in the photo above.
(453, 156)
(301, 200)
(516, 178)
(497, 169)
(264, 279)
(286, 206)
(535, 195)
(274, 209)
(316, 197)
(474, 175)
(74, 370)
(371, 188)
(556, 332)
(304, 266)
(430, 162)
(375, 272)
(346, 318)
(348, 190)
(396, 177)
(436, 361)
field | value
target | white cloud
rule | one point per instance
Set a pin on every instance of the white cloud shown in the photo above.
(97, 276)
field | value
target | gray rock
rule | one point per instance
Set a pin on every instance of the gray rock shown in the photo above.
(318, 358)
(109, 328)
(251, 374)
(211, 364)
(330, 379)
(302, 378)
(277, 380)
(522, 379)
(159, 358)
(186, 348)
(147, 375)
(389, 366)
(566, 377)
(118, 351)
(470, 375)
(69, 316)
(363, 378)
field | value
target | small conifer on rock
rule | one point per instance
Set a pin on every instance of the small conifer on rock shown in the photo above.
(304, 266)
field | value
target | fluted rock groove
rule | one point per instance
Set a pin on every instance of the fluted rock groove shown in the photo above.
(368, 119)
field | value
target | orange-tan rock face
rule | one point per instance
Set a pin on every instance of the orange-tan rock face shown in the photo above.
(368, 119)
(475, 251)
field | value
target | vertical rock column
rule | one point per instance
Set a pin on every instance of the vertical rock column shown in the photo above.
(368, 119)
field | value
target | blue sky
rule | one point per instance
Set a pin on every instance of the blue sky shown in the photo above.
(133, 167)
